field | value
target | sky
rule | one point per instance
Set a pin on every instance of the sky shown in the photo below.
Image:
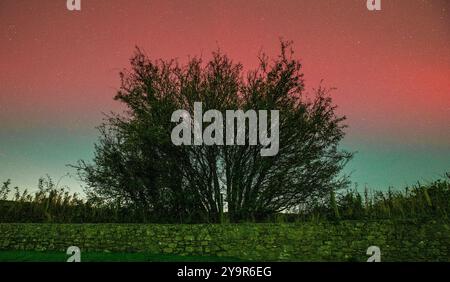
(59, 71)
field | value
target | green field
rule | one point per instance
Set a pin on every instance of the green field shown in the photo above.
(35, 256)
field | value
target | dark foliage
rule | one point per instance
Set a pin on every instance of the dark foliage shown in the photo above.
(137, 167)
(53, 204)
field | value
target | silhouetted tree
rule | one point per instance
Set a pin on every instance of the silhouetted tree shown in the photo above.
(136, 164)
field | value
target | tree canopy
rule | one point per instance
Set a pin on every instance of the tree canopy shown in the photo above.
(137, 165)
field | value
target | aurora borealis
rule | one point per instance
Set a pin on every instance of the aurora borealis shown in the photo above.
(59, 72)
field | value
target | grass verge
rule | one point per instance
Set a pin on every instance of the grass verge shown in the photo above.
(36, 256)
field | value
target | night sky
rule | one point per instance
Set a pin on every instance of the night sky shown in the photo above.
(59, 72)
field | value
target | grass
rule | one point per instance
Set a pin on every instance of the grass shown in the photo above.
(51, 204)
(36, 256)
